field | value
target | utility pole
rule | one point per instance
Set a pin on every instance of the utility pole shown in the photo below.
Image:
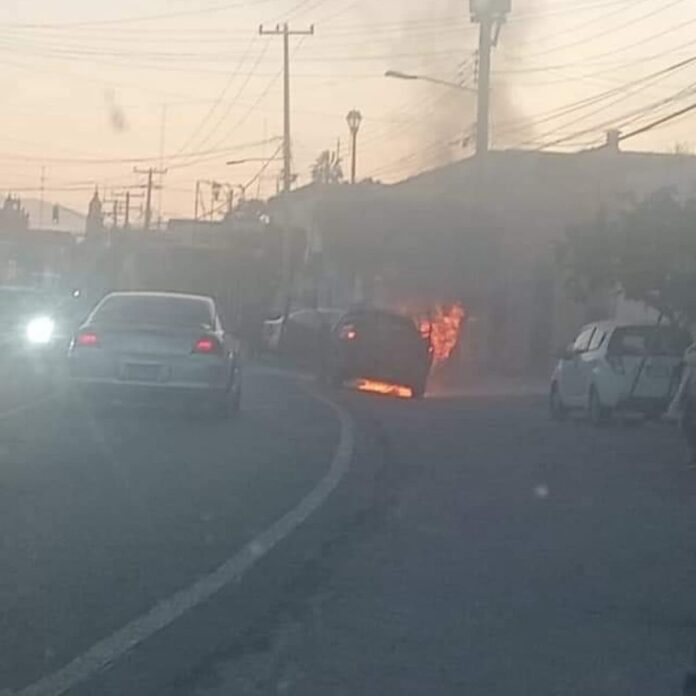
(163, 130)
(198, 200)
(43, 192)
(126, 221)
(490, 16)
(286, 33)
(148, 196)
(286, 270)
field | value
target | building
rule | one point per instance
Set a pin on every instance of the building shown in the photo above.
(486, 233)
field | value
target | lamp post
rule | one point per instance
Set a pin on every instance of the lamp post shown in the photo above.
(354, 119)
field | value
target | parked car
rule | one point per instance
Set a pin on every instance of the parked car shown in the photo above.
(378, 345)
(145, 345)
(618, 367)
(303, 335)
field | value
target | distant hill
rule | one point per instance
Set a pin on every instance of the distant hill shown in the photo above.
(70, 220)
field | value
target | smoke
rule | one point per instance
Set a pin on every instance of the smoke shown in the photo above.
(449, 116)
(116, 115)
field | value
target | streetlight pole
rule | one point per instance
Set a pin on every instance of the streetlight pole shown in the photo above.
(354, 119)
(484, 86)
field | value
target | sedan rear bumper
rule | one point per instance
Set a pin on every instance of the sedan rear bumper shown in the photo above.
(111, 391)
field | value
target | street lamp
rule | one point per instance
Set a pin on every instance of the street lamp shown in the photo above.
(354, 119)
(398, 75)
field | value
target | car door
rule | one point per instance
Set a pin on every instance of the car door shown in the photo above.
(574, 376)
(589, 360)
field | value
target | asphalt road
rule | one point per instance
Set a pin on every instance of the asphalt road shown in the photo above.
(512, 556)
(102, 516)
(473, 548)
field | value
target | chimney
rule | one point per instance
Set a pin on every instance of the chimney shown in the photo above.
(613, 140)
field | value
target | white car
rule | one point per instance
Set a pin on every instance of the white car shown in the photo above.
(144, 345)
(613, 366)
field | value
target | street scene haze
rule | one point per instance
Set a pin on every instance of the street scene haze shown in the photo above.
(348, 348)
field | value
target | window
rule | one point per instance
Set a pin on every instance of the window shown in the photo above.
(648, 340)
(597, 340)
(583, 341)
(152, 309)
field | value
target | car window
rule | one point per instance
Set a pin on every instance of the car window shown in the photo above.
(157, 310)
(597, 340)
(582, 342)
(648, 340)
(384, 326)
(307, 318)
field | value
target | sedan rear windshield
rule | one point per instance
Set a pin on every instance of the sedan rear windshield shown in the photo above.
(386, 326)
(648, 340)
(158, 311)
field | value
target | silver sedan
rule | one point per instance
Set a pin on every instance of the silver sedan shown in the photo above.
(145, 344)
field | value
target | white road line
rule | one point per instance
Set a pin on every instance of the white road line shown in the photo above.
(107, 651)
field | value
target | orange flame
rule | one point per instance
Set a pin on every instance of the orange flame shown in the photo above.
(385, 388)
(443, 325)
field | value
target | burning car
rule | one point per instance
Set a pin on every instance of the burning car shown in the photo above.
(378, 347)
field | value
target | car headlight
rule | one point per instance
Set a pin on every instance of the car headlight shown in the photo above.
(40, 330)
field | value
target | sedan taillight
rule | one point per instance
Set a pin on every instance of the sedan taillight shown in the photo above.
(348, 333)
(87, 339)
(208, 345)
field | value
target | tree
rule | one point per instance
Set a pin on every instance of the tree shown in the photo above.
(327, 168)
(648, 253)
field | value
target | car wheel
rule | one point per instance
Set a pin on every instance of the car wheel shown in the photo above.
(597, 412)
(557, 409)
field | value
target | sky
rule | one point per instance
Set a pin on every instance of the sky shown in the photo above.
(93, 90)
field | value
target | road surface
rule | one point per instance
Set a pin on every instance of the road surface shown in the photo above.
(472, 547)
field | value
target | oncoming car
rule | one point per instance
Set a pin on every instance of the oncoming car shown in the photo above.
(35, 329)
(370, 344)
(613, 366)
(148, 344)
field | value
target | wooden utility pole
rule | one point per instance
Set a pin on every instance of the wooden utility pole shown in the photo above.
(285, 31)
(149, 188)
(197, 204)
(126, 221)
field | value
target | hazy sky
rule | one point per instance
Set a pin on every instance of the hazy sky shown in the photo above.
(88, 86)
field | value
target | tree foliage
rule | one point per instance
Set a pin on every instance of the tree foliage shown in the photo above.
(648, 253)
(327, 169)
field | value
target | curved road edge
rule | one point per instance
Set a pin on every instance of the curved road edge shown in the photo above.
(107, 652)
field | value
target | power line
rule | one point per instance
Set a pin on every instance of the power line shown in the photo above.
(238, 94)
(624, 92)
(659, 122)
(263, 168)
(140, 18)
(132, 160)
(608, 30)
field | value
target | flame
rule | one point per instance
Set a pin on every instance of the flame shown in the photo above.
(443, 325)
(385, 388)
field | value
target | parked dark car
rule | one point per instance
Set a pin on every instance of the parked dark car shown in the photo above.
(303, 335)
(378, 345)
